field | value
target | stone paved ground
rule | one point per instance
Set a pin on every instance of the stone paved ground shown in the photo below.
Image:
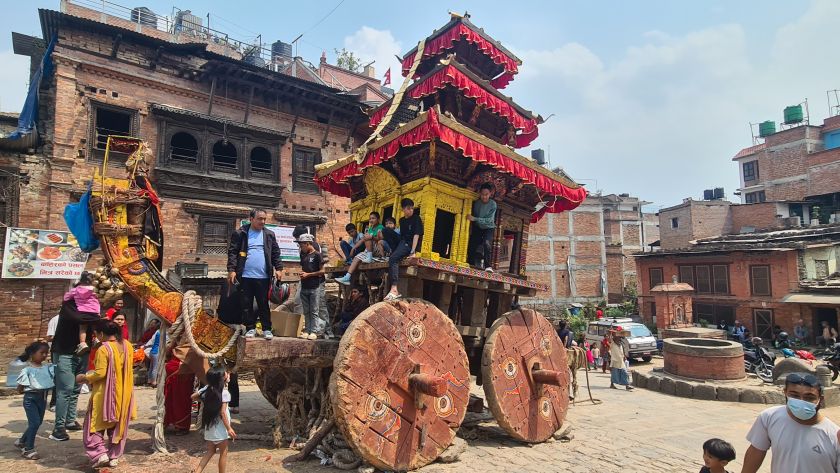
(638, 431)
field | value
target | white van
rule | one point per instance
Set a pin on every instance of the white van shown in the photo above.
(642, 343)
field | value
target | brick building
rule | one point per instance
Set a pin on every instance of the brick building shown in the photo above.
(799, 165)
(692, 219)
(226, 133)
(584, 255)
(762, 279)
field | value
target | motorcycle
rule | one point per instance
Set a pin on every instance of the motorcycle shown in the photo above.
(832, 361)
(759, 360)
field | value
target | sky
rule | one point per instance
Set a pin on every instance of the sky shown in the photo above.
(651, 98)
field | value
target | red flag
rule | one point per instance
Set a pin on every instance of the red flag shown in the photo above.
(387, 77)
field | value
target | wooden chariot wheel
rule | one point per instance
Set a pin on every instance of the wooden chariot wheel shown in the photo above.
(400, 384)
(526, 375)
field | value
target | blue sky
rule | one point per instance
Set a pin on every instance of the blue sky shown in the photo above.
(649, 97)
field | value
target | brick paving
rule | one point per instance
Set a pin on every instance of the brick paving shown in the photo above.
(638, 431)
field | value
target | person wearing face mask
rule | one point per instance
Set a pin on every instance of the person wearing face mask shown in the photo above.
(801, 437)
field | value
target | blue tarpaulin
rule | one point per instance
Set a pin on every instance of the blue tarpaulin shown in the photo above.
(29, 115)
(79, 221)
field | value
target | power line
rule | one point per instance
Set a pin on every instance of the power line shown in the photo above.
(324, 18)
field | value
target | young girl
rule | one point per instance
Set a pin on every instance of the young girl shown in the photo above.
(596, 353)
(215, 417)
(34, 381)
(590, 357)
(84, 295)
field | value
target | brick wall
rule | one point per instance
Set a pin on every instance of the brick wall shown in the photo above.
(760, 216)
(696, 219)
(56, 174)
(784, 279)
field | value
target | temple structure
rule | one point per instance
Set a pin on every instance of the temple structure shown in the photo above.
(447, 131)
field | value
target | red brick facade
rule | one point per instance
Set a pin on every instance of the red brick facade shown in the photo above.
(134, 77)
(740, 301)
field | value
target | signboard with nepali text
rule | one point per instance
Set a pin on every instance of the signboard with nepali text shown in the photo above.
(42, 254)
(289, 250)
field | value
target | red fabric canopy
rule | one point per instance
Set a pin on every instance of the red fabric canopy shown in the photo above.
(564, 197)
(450, 75)
(445, 40)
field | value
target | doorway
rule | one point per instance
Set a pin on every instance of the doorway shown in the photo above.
(827, 314)
(763, 323)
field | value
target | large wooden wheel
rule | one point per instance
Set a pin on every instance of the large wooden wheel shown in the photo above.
(400, 384)
(526, 375)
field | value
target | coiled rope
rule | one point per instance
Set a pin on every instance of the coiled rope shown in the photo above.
(190, 306)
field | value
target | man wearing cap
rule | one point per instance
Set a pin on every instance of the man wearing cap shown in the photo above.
(311, 279)
(801, 437)
(253, 258)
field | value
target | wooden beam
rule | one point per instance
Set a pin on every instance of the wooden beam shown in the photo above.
(248, 105)
(154, 62)
(296, 109)
(116, 45)
(324, 140)
(212, 96)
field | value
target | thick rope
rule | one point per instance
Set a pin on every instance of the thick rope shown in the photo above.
(577, 360)
(158, 436)
(189, 308)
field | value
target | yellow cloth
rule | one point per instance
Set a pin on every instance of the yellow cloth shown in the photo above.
(124, 388)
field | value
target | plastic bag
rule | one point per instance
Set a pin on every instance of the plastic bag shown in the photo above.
(79, 221)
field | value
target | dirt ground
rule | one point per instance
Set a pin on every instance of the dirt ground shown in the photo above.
(629, 432)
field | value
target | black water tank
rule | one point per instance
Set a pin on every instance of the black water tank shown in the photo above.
(538, 155)
(708, 194)
(718, 192)
(280, 48)
(144, 16)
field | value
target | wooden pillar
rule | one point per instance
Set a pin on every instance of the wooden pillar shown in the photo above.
(248, 105)
(212, 96)
(473, 310)
(499, 304)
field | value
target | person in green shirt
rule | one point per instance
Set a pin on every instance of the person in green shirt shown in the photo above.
(484, 227)
(372, 239)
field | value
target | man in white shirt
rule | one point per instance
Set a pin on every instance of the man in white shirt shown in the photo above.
(803, 440)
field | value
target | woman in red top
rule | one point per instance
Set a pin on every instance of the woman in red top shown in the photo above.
(119, 319)
(605, 353)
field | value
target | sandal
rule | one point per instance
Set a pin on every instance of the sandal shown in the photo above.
(392, 297)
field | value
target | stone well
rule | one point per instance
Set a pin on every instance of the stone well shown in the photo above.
(703, 358)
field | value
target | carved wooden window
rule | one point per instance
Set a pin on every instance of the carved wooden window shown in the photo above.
(224, 156)
(760, 280)
(260, 161)
(214, 235)
(183, 149)
(303, 169)
(108, 120)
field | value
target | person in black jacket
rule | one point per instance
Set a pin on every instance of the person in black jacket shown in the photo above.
(253, 258)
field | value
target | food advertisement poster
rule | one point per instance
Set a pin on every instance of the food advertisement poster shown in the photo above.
(42, 254)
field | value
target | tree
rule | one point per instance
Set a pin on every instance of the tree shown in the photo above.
(347, 60)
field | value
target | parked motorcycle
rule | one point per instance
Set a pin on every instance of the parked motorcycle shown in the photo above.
(759, 360)
(832, 361)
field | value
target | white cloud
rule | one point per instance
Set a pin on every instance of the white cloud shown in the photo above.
(664, 119)
(371, 44)
(14, 80)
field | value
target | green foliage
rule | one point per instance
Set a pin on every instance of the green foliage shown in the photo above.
(347, 60)
(615, 313)
(652, 327)
(704, 322)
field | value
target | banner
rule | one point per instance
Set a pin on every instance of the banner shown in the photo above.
(289, 250)
(42, 254)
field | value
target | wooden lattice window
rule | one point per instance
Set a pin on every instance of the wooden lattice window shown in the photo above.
(760, 280)
(260, 161)
(214, 236)
(303, 169)
(656, 277)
